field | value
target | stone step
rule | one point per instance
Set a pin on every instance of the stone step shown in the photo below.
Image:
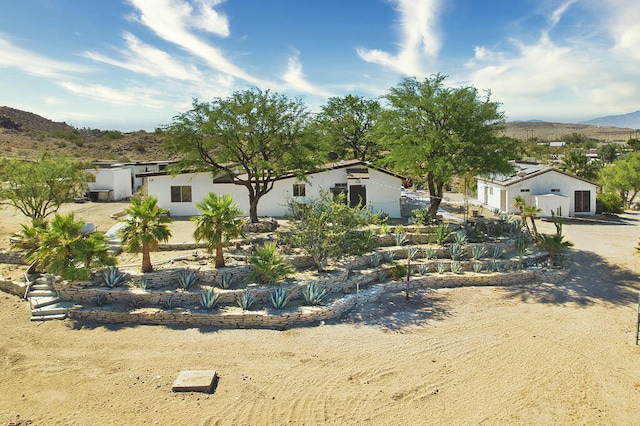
(41, 287)
(42, 293)
(37, 302)
(48, 317)
(52, 309)
(44, 280)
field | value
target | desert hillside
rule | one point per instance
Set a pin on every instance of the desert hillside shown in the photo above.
(27, 135)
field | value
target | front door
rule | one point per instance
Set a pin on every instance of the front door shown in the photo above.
(357, 195)
(582, 201)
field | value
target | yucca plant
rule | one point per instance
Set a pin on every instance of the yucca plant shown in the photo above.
(186, 279)
(112, 277)
(279, 297)
(456, 251)
(456, 267)
(477, 267)
(442, 267)
(478, 252)
(313, 294)
(209, 298)
(226, 280)
(375, 259)
(245, 299)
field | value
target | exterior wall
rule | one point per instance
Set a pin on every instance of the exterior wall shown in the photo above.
(383, 192)
(540, 185)
(117, 179)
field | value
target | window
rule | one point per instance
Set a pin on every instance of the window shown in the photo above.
(491, 190)
(299, 190)
(180, 194)
(555, 189)
(525, 190)
(582, 201)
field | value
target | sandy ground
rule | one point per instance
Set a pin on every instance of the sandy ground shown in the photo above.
(532, 354)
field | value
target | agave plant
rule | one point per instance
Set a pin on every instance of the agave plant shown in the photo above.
(144, 283)
(460, 237)
(478, 252)
(382, 276)
(477, 267)
(313, 294)
(423, 268)
(279, 297)
(390, 255)
(375, 259)
(429, 253)
(456, 251)
(186, 279)
(456, 267)
(442, 267)
(498, 252)
(226, 280)
(245, 299)
(442, 233)
(101, 299)
(209, 298)
(112, 277)
(401, 237)
(170, 303)
(136, 302)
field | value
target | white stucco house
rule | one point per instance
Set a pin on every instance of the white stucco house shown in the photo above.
(379, 189)
(545, 187)
(118, 181)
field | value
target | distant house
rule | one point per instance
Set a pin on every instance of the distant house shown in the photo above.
(545, 187)
(375, 187)
(118, 181)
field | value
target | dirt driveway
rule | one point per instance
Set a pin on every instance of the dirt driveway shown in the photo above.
(530, 354)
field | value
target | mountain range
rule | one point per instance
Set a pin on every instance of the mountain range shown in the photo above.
(630, 120)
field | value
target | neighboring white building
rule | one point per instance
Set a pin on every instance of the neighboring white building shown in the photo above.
(545, 187)
(110, 183)
(379, 189)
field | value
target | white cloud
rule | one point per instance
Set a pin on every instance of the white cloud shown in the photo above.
(623, 26)
(171, 20)
(419, 42)
(294, 77)
(34, 64)
(145, 59)
(129, 96)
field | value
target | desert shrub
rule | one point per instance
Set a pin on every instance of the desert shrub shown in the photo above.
(398, 271)
(421, 217)
(313, 294)
(279, 297)
(269, 266)
(612, 202)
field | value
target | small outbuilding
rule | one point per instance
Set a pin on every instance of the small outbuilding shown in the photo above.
(548, 188)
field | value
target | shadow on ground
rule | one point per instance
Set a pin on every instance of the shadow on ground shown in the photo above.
(591, 280)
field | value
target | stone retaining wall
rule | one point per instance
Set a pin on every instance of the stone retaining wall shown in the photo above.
(12, 258)
(12, 287)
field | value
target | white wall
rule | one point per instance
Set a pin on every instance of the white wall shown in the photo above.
(542, 184)
(383, 192)
(117, 179)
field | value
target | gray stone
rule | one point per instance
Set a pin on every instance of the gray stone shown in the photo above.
(195, 381)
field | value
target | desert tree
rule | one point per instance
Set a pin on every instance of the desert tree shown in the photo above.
(436, 132)
(38, 188)
(326, 228)
(217, 223)
(252, 137)
(623, 177)
(146, 225)
(346, 124)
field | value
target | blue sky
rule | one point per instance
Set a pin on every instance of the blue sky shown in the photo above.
(135, 64)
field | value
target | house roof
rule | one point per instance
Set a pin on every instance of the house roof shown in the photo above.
(528, 170)
(357, 165)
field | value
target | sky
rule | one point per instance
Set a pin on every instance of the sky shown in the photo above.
(135, 64)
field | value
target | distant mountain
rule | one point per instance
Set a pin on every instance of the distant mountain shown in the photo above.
(630, 120)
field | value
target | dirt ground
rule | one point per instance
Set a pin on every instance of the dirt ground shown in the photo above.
(528, 354)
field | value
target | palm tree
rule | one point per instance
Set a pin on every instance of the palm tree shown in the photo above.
(63, 249)
(554, 244)
(217, 223)
(146, 226)
(520, 203)
(531, 212)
